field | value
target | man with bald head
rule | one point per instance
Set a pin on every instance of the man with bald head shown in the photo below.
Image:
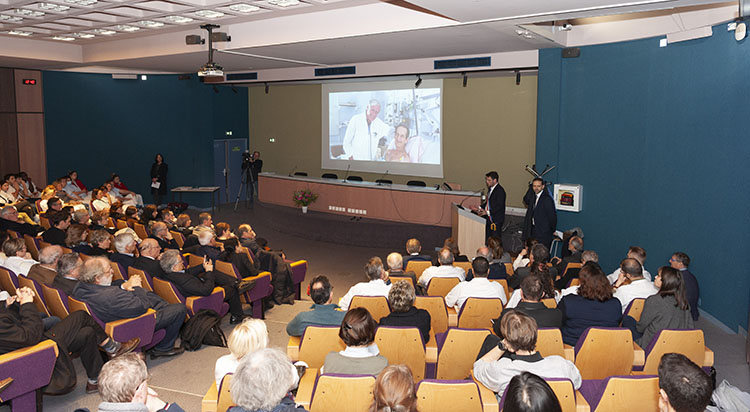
(45, 271)
(148, 261)
(395, 264)
(445, 270)
(497, 269)
(631, 284)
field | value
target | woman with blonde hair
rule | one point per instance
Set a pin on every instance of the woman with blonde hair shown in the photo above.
(394, 390)
(249, 336)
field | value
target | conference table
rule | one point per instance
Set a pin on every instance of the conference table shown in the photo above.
(392, 202)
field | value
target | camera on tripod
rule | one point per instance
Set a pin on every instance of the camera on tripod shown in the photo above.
(247, 160)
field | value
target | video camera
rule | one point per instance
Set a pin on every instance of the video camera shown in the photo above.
(247, 160)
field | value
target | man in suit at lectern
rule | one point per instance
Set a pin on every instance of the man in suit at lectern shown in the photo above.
(493, 210)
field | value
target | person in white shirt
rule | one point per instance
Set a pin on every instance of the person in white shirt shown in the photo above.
(375, 287)
(479, 287)
(495, 371)
(586, 256)
(18, 259)
(363, 133)
(445, 270)
(631, 284)
(249, 336)
(634, 252)
(522, 260)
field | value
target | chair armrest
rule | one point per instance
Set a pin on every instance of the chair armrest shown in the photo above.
(452, 317)
(305, 387)
(292, 348)
(569, 353)
(299, 270)
(30, 367)
(18, 353)
(639, 356)
(708, 359)
(125, 329)
(212, 301)
(489, 399)
(430, 349)
(581, 404)
(210, 399)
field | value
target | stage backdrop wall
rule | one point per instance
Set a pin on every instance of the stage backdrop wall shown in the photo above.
(488, 125)
(99, 125)
(657, 137)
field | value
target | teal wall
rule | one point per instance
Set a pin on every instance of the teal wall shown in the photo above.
(98, 125)
(658, 139)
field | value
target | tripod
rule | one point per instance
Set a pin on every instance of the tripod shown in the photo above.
(247, 180)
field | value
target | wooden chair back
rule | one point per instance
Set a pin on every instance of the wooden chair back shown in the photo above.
(575, 282)
(76, 305)
(635, 308)
(478, 313)
(549, 342)
(402, 346)
(504, 284)
(121, 224)
(110, 223)
(342, 393)
(225, 401)
(638, 393)
(317, 342)
(690, 343)
(406, 279)
(145, 279)
(8, 281)
(44, 222)
(31, 246)
(460, 350)
(12, 234)
(463, 265)
(376, 305)
(140, 230)
(43, 244)
(194, 260)
(226, 268)
(565, 393)
(441, 286)
(417, 267)
(178, 237)
(603, 352)
(571, 265)
(55, 303)
(550, 303)
(84, 257)
(438, 312)
(436, 396)
(509, 269)
(23, 281)
(166, 291)
(117, 272)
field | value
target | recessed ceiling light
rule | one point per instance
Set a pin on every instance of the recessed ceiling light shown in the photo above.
(209, 14)
(53, 7)
(20, 33)
(178, 19)
(284, 3)
(10, 19)
(125, 27)
(243, 8)
(63, 38)
(150, 24)
(82, 2)
(29, 13)
(104, 32)
(82, 35)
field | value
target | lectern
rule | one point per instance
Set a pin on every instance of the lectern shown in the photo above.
(468, 229)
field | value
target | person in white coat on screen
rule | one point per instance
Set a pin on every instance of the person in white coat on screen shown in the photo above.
(364, 133)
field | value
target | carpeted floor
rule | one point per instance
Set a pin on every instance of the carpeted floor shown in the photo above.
(185, 378)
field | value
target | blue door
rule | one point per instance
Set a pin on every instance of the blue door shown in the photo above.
(228, 168)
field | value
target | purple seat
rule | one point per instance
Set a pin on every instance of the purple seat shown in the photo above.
(31, 369)
(32, 284)
(255, 295)
(8, 280)
(637, 393)
(214, 301)
(299, 271)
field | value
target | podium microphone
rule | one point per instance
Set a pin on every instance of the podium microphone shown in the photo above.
(471, 195)
(349, 166)
(381, 178)
(293, 170)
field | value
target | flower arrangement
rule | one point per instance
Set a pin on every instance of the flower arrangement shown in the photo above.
(304, 197)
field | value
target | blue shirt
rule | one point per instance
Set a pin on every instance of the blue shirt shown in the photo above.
(320, 315)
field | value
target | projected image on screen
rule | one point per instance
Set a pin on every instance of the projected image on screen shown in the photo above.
(401, 126)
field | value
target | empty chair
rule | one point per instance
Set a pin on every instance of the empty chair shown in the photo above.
(549, 342)
(406, 279)
(639, 393)
(300, 173)
(458, 353)
(402, 346)
(117, 271)
(215, 301)
(455, 396)
(686, 342)
(478, 313)
(417, 267)
(504, 284)
(550, 303)
(438, 312)
(376, 305)
(224, 399)
(13, 234)
(463, 265)
(299, 271)
(416, 183)
(178, 237)
(441, 286)
(31, 246)
(44, 222)
(317, 342)
(570, 399)
(603, 352)
(329, 176)
(354, 178)
(121, 224)
(342, 393)
(140, 230)
(31, 369)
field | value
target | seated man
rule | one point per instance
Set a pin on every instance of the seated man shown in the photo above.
(575, 247)
(634, 252)
(532, 290)
(125, 250)
(68, 272)
(586, 256)
(375, 287)
(129, 300)
(414, 250)
(497, 269)
(204, 222)
(201, 280)
(59, 222)
(395, 268)
(445, 270)
(148, 260)
(123, 386)
(637, 286)
(323, 311)
(479, 287)
(160, 232)
(501, 360)
(207, 246)
(683, 385)
(54, 205)
(539, 253)
(9, 221)
(17, 258)
(78, 334)
(270, 261)
(45, 271)
(81, 216)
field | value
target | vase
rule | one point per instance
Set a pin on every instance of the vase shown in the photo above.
(304, 209)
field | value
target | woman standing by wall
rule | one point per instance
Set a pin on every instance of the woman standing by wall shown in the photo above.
(159, 179)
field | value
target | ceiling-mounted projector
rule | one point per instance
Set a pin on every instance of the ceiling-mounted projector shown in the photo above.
(211, 70)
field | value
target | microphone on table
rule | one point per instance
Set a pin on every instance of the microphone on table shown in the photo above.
(293, 170)
(467, 197)
(349, 166)
(381, 178)
(447, 187)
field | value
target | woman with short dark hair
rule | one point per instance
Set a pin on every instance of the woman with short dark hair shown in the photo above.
(530, 393)
(159, 178)
(403, 313)
(361, 355)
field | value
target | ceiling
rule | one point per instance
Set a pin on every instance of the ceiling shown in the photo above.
(148, 36)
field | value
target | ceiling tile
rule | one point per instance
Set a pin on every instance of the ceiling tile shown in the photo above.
(130, 11)
(54, 26)
(104, 17)
(76, 22)
(163, 6)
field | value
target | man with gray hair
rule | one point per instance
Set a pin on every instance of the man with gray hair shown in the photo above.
(445, 270)
(586, 256)
(111, 303)
(68, 272)
(375, 287)
(9, 221)
(125, 247)
(45, 271)
(160, 233)
(363, 133)
(565, 274)
(497, 270)
(262, 382)
(81, 216)
(148, 260)
(395, 264)
(123, 386)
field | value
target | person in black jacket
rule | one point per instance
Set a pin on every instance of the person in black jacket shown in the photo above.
(148, 260)
(160, 233)
(532, 291)
(9, 221)
(403, 313)
(494, 208)
(55, 235)
(541, 218)
(159, 176)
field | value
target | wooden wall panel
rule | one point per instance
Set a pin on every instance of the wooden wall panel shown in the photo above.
(7, 91)
(28, 98)
(8, 143)
(31, 146)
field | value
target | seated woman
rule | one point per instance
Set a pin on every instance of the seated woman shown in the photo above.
(131, 216)
(523, 257)
(183, 224)
(361, 355)
(224, 235)
(99, 200)
(530, 393)
(542, 270)
(247, 337)
(8, 198)
(394, 390)
(668, 309)
(149, 213)
(517, 353)
(499, 255)
(403, 313)
(262, 383)
(75, 238)
(74, 187)
(100, 241)
(100, 220)
(594, 304)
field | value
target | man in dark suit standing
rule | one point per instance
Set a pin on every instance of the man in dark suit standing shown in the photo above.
(681, 261)
(493, 210)
(541, 217)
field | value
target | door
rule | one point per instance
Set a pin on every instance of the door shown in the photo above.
(228, 167)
